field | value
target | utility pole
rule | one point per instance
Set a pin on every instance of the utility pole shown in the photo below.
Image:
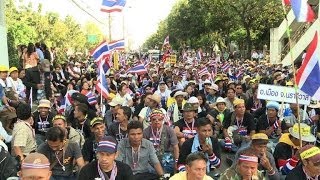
(4, 59)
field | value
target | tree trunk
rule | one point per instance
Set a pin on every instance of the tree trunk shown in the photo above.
(248, 42)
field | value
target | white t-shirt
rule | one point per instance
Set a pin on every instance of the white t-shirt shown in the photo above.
(125, 99)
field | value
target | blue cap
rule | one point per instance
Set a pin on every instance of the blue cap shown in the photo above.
(273, 104)
(107, 144)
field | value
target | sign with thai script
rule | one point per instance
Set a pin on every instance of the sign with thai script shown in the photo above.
(282, 93)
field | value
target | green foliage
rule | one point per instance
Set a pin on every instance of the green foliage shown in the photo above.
(201, 23)
(25, 25)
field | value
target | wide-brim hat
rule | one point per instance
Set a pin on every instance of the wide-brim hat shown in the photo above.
(44, 103)
(180, 93)
(115, 101)
(305, 131)
(314, 104)
(220, 100)
(156, 98)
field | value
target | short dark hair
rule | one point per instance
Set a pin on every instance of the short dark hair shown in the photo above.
(83, 108)
(134, 125)
(23, 111)
(195, 156)
(55, 134)
(202, 122)
(126, 111)
(234, 91)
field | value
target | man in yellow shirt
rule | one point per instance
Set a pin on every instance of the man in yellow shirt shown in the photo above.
(196, 167)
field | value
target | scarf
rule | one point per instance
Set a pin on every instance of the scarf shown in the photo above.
(195, 148)
(104, 176)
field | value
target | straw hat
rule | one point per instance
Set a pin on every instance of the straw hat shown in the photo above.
(305, 130)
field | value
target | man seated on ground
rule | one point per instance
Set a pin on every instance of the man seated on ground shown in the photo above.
(118, 129)
(61, 154)
(106, 167)
(71, 133)
(164, 140)
(35, 166)
(201, 142)
(246, 168)
(286, 153)
(139, 154)
(259, 147)
(98, 128)
(196, 165)
(309, 168)
(241, 125)
(186, 128)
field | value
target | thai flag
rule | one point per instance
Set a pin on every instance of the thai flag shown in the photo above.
(308, 75)
(112, 5)
(102, 85)
(102, 51)
(92, 100)
(302, 10)
(240, 72)
(139, 69)
(203, 71)
(225, 67)
(116, 45)
(66, 101)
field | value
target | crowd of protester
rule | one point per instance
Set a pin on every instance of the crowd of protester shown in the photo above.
(171, 122)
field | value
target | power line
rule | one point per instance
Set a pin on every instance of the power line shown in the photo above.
(83, 9)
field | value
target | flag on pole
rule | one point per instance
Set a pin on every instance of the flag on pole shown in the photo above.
(102, 84)
(302, 10)
(139, 69)
(308, 75)
(116, 45)
(203, 71)
(101, 52)
(112, 5)
(199, 54)
(66, 101)
(166, 41)
(225, 67)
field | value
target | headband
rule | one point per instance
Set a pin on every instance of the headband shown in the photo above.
(34, 166)
(310, 152)
(248, 158)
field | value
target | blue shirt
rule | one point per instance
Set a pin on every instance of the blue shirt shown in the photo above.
(40, 54)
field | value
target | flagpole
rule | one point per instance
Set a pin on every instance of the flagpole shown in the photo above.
(293, 69)
(109, 23)
(101, 100)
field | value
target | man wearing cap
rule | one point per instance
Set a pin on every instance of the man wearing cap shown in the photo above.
(259, 147)
(35, 166)
(15, 84)
(185, 128)
(176, 108)
(269, 123)
(111, 114)
(201, 142)
(23, 137)
(309, 168)
(139, 154)
(105, 166)
(154, 102)
(98, 128)
(164, 140)
(71, 133)
(286, 151)
(238, 127)
(246, 168)
(61, 153)
(42, 119)
(38, 78)
(212, 95)
(218, 113)
(118, 130)
(206, 87)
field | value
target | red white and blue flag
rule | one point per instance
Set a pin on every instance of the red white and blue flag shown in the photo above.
(286, 2)
(166, 41)
(139, 69)
(112, 5)
(102, 84)
(92, 100)
(101, 52)
(225, 67)
(116, 45)
(302, 10)
(308, 75)
(66, 101)
(203, 71)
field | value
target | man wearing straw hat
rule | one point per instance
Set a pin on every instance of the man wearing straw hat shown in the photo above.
(286, 151)
(310, 166)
